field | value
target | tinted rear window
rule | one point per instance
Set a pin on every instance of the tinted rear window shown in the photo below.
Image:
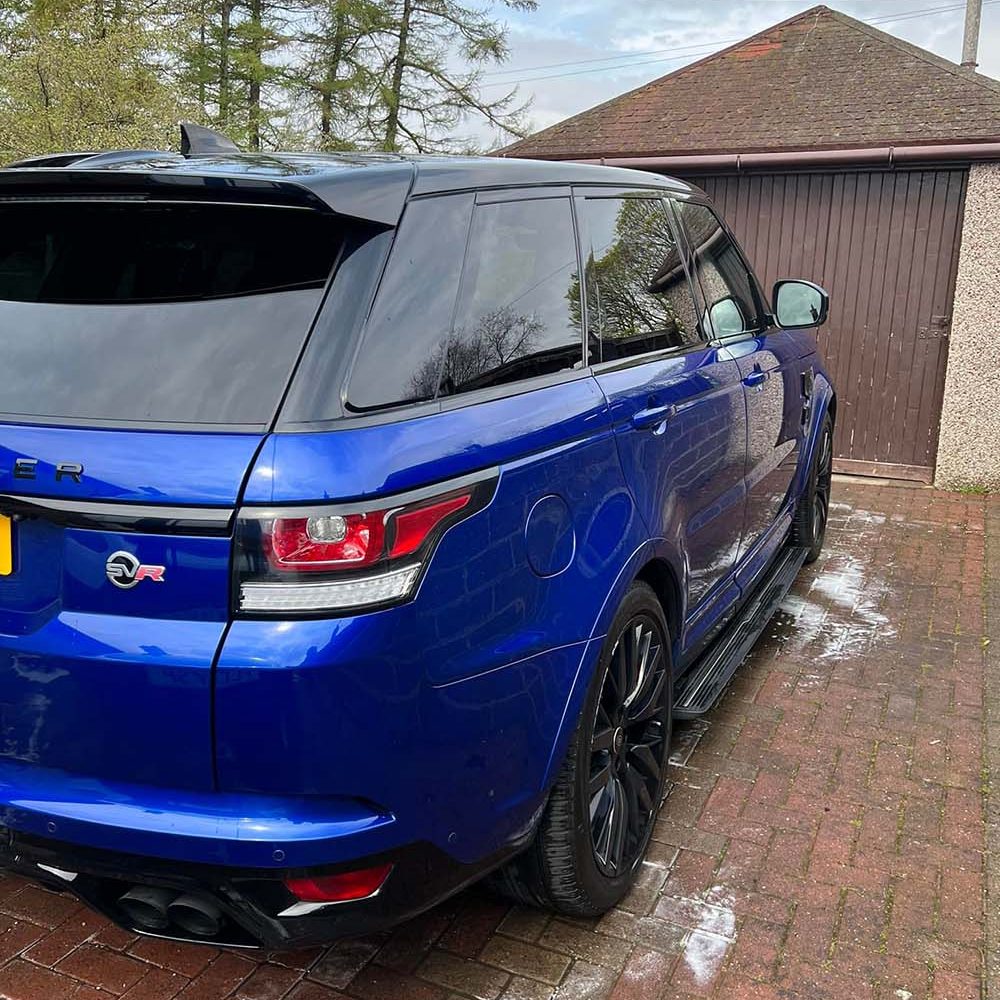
(136, 312)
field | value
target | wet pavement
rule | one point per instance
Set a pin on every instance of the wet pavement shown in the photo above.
(824, 835)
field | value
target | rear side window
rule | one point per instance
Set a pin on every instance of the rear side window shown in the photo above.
(455, 315)
(731, 305)
(519, 309)
(152, 313)
(638, 295)
(414, 306)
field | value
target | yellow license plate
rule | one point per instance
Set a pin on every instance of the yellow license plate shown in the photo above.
(6, 547)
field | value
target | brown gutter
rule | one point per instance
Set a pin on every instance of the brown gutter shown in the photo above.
(877, 156)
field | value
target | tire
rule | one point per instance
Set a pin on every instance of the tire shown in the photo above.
(809, 526)
(600, 814)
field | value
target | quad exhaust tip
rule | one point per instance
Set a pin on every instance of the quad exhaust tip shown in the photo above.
(196, 916)
(147, 905)
(164, 910)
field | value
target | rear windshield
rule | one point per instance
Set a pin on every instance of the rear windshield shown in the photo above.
(151, 313)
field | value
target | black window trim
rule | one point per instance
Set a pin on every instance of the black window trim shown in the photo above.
(345, 364)
(391, 412)
(124, 424)
(504, 195)
(395, 412)
(583, 193)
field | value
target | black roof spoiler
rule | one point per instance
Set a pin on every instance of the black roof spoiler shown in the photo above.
(195, 140)
(376, 196)
(50, 160)
(214, 163)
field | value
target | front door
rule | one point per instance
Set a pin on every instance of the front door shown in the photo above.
(775, 387)
(676, 401)
(770, 368)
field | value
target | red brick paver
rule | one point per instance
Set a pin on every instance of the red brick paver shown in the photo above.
(824, 835)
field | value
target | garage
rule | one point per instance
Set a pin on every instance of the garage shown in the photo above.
(840, 153)
(885, 243)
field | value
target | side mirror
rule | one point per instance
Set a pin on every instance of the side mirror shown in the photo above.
(799, 305)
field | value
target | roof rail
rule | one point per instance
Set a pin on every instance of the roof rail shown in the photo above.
(121, 156)
(198, 139)
(50, 160)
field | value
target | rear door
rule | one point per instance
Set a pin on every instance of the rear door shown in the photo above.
(146, 349)
(676, 401)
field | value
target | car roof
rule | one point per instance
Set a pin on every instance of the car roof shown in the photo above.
(372, 186)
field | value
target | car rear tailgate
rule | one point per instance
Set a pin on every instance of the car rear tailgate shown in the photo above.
(148, 345)
(102, 670)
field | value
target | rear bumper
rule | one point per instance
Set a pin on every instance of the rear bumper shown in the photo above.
(97, 840)
(206, 828)
(251, 900)
(444, 781)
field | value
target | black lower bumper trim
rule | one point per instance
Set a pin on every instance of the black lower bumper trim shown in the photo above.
(250, 899)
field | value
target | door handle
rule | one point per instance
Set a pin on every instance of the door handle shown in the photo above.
(652, 416)
(756, 377)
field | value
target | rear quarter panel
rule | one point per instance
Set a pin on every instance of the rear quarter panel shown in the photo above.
(448, 711)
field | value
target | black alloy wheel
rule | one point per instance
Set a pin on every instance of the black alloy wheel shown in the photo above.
(600, 813)
(824, 479)
(813, 510)
(627, 752)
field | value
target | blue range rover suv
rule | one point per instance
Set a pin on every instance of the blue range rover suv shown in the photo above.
(365, 521)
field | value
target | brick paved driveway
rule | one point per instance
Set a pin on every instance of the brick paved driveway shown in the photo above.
(824, 836)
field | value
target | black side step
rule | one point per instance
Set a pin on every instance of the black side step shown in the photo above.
(699, 689)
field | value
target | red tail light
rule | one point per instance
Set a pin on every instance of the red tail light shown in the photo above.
(317, 544)
(413, 526)
(339, 888)
(348, 557)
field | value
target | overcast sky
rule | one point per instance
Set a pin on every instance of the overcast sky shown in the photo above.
(569, 55)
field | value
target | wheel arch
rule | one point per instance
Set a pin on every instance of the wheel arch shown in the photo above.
(660, 576)
(652, 564)
(826, 403)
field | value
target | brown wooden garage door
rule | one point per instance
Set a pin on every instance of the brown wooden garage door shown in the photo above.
(885, 245)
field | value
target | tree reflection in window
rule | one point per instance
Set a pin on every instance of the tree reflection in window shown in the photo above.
(499, 341)
(638, 297)
(514, 318)
(731, 307)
